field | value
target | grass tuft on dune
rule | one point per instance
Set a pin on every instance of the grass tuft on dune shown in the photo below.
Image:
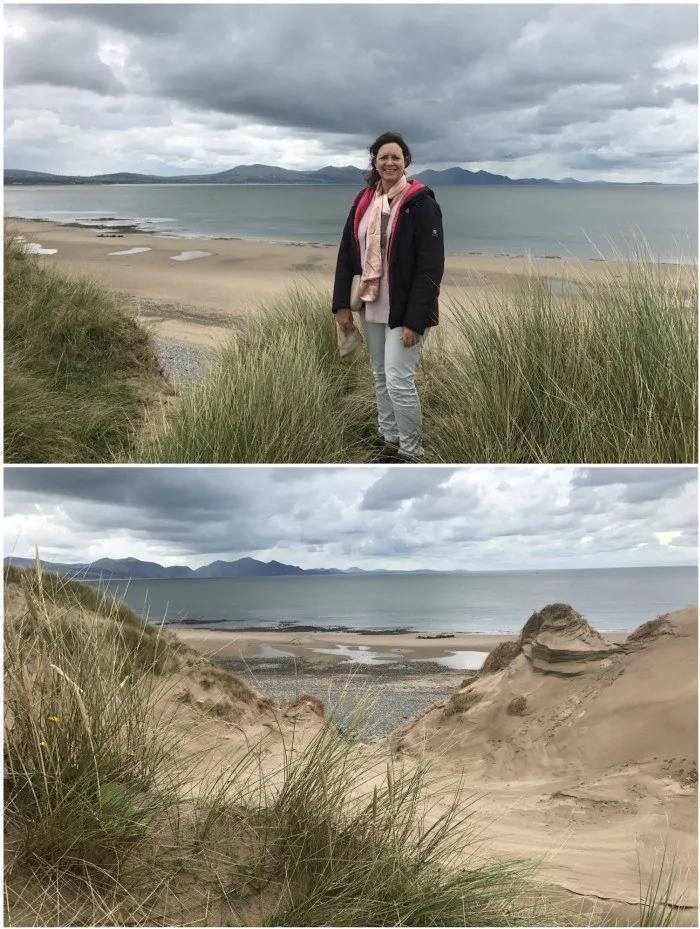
(67, 598)
(78, 372)
(605, 373)
(277, 393)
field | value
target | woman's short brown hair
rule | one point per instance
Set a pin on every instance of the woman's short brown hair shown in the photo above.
(372, 175)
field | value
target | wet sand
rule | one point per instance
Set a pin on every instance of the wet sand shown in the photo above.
(252, 644)
(404, 647)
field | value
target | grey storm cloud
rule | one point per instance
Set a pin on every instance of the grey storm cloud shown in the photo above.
(373, 517)
(30, 65)
(484, 83)
(142, 19)
(149, 492)
(391, 490)
(638, 485)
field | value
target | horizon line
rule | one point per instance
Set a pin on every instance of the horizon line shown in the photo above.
(350, 572)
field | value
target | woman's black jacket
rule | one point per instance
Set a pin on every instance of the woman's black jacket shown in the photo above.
(415, 253)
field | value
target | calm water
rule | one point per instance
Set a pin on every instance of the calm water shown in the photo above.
(577, 221)
(496, 602)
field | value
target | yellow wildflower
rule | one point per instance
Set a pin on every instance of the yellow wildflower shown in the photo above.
(54, 719)
(43, 744)
(131, 754)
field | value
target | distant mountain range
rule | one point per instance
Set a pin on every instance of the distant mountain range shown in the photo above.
(269, 174)
(117, 569)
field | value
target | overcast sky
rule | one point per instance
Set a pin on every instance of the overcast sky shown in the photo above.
(402, 518)
(603, 91)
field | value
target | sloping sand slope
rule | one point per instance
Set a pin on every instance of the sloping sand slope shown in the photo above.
(223, 720)
(594, 765)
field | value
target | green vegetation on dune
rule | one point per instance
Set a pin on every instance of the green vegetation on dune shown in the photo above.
(81, 752)
(64, 592)
(147, 646)
(605, 374)
(383, 860)
(78, 371)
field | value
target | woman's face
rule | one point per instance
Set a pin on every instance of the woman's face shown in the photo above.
(390, 163)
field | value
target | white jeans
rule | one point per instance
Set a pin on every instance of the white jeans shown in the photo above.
(394, 367)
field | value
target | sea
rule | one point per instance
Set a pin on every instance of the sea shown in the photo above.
(496, 602)
(568, 221)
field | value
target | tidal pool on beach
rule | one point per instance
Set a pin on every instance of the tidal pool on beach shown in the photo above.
(33, 248)
(131, 251)
(267, 651)
(190, 256)
(364, 654)
(459, 661)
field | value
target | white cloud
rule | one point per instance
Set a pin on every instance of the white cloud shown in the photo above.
(14, 30)
(666, 538)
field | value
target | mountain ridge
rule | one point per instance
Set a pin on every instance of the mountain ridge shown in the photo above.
(271, 174)
(117, 569)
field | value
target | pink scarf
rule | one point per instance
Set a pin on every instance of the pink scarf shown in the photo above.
(376, 236)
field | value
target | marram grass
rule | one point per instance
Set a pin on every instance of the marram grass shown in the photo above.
(277, 393)
(78, 372)
(606, 373)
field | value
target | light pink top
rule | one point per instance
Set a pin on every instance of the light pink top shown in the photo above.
(377, 311)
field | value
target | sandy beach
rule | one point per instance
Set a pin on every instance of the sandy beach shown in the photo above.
(247, 644)
(195, 302)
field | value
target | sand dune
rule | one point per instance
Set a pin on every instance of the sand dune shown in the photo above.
(595, 770)
(220, 718)
(580, 753)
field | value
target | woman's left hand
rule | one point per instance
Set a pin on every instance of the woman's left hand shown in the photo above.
(409, 338)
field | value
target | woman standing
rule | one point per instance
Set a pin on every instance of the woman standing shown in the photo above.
(393, 240)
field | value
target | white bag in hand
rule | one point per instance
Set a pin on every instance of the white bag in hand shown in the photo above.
(348, 342)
